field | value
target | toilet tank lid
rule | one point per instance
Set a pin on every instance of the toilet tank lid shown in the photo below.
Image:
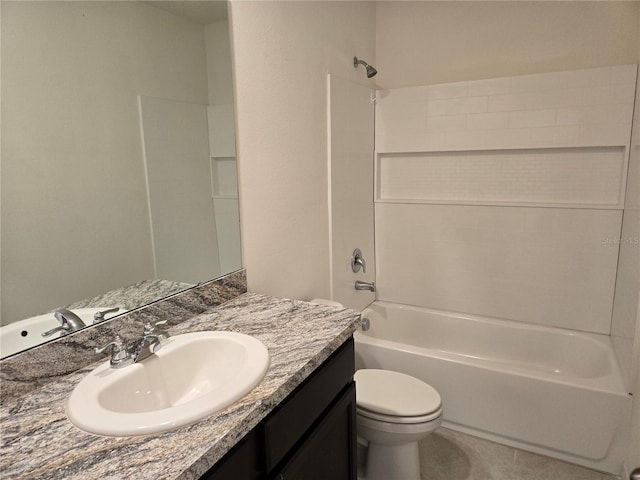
(394, 393)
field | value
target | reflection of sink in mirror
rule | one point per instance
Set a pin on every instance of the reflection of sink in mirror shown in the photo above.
(18, 336)
(192, 376)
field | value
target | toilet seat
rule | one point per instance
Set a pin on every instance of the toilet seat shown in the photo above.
(395, 397)
(397, 419)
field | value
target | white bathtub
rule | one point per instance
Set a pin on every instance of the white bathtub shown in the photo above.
(548, 390)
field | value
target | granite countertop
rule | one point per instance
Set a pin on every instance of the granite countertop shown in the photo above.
(133, 296)
(38, 441)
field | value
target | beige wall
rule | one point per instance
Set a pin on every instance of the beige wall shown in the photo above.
(282, 52)
(424, 42)
(74, 207)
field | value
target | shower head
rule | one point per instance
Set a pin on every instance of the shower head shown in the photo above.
(371, 72)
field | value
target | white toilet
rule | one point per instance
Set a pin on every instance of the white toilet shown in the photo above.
(394, 411)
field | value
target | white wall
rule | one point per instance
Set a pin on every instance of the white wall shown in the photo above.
(282, 49)
(222, 145)
(282, 52)
(426, 42)
(219, 62)
(71, 74)
(625, 306)
(176, 151)
(351, 214)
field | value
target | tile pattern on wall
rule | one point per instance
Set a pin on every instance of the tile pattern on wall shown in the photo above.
(483, 188)
(546, 266)
(587, 107)
(574, 177)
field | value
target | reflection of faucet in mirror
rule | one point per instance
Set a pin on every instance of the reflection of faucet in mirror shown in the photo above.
(69, 322)
(99, 316)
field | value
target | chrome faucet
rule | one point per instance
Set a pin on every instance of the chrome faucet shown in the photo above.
(69, 322)
(360, 285)
(120, 355)
(123, 355)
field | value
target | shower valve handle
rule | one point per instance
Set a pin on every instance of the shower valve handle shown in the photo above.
(357, 261)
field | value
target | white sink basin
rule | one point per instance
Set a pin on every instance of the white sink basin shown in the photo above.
(18, 336)
(192, 376)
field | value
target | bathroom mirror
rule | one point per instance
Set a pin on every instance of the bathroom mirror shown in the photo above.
(118, 153)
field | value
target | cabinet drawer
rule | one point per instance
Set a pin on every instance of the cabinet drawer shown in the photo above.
(286, 426)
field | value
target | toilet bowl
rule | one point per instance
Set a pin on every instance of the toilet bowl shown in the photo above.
(394, 411)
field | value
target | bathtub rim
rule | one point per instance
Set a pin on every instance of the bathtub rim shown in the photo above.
(613, 382)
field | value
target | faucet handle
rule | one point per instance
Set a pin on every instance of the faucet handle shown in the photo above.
(99, 316)
(120, 355)
(116, 345)
(61, 328)
(357, 262)
(151, 327)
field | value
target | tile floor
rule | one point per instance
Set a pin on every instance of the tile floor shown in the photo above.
(451, 455)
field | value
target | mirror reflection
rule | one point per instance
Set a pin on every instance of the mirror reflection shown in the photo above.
(118, 159)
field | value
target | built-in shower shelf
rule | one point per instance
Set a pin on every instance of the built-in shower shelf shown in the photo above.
(576, 177)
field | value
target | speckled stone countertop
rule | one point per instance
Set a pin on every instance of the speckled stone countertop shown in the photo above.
(134, 296)
(38, 441)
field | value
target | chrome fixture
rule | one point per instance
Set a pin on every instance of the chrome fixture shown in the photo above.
(357, 261)
(371, 286)
(371, 72)
(120, 354)
(69, 322)
(635, 475)
(365, 324)
(152, 338)
(99, 316)
(123, 355)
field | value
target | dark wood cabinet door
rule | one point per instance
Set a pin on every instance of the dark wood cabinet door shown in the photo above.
(329, 451)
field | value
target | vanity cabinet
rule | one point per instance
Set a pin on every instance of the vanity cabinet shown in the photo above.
(311, 435)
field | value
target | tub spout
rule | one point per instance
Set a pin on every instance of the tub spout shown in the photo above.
(360, 285)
